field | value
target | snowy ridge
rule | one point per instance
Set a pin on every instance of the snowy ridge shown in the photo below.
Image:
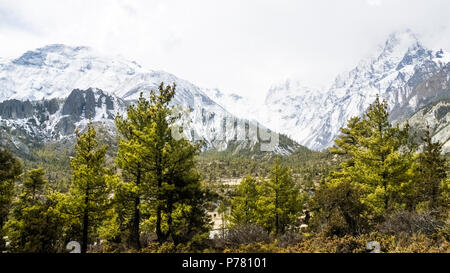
(89, 84)
(437, 117)
(402, 71)
(313, 116)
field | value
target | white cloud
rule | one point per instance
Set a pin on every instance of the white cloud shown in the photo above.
(238, 46)
(374, 2)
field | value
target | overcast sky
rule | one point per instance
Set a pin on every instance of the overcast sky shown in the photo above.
(241, 46)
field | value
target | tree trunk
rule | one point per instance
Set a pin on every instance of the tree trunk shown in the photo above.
(135, 239)
(135, 232)
(84, 239)
(277, 217)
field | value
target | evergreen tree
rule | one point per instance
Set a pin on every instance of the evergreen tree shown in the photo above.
(280, 202)
(36, 223)
(432, 171)
(376, 177)
(338, 202)
(383, 161)
(33, 187)
(133, 151)
(89, 192)
(338, 206)
(347, 141)
(172, 165)
(10, 170)
(160, 167)
(243, 205)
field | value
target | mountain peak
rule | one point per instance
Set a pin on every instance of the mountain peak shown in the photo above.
(38, 57)
(398, 43)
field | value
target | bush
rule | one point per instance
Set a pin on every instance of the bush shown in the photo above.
(405, 222)
(246, 234)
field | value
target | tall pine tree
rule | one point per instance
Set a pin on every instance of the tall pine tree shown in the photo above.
(432, 171)
(280, 203)
(36, 225)
(135, 130)
(10, 170)
(376, 177)
(383, 162)
(243, 205)
(161, 170)
(89, 192)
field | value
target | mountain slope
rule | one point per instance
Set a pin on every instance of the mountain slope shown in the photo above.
(402, 71)
(436, 115)
(87, 84)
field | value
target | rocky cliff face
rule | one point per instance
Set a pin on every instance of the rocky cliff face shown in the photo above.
(52, 120)
(436, 115)
(403, 71)
(88, 84)
(25, 122)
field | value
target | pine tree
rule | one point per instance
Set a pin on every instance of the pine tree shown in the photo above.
(33, 186)
(383, 162)
(338, 205)
(432, 171)
(280, 202)
(172, 165)
(134, 132)
(10, 170)
(37, 223)
(89, 192)
(347, 141)
(338, 201)
(377, 175)
(160, 168)
(243, 205)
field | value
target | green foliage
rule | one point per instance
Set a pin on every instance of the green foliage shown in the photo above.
(372, 185)
(88, 198)
(159, 176)
(432, 173)
(33, 186)
(275, 203)
(244, 204)
(382, 161)
(10, 170)
(338, 207)
(37, 223)
(379, 174)
(280, 203)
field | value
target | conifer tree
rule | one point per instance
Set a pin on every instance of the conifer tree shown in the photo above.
(243, 205)
(89, 192)
(347, 141)
(160, 168)
(432, 171)
(338, 202)
(33, 186)
(10, 170)
(280, 202)
(134, 131)
(37, 223)
(376, 177)
(172, 165)
(380, 162)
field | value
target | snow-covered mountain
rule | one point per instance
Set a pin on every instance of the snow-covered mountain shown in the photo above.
(313, 116)
(436, 115)
(78, 83)
(403, 71)
(55, 70)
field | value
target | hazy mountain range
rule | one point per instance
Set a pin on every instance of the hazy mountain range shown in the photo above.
(48, 92)
(404, 72)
